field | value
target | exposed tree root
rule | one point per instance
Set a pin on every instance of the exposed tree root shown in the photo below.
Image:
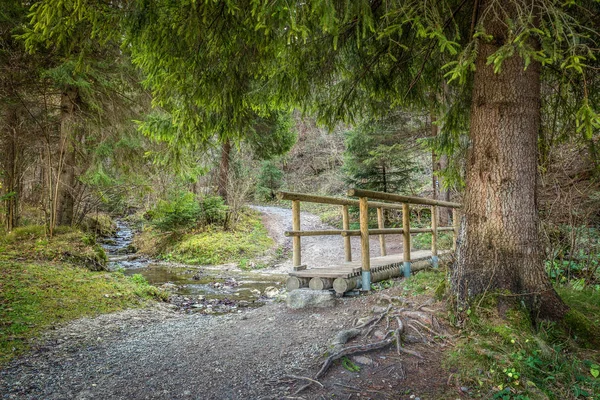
(419, 318)
(359, 349)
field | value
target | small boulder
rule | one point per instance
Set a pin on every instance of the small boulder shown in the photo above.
(271, 292)
(304, 298)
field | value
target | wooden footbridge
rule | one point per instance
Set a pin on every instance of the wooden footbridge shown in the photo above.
(349, 275)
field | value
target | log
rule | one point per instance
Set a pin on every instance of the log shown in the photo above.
(343, 285)
(317, 283)
(401, 199)
(294, 282)
(331, 200)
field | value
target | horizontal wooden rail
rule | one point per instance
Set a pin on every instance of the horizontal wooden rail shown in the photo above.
(392, 231)
(332, 200)
(315, 233)
(399, 198)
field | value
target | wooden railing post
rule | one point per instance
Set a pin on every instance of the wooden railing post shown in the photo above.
(456, 225)
(434, 249)
(364, 244)
(346, 227)
(296, 252)
(406, 238)
(380, 225)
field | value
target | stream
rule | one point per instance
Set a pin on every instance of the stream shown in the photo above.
(214, 289)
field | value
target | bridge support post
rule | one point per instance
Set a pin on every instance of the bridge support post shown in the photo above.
(346, 226)
(296, 252)
(381, 225)
(364, 244)
(434, 250)
(406, 238)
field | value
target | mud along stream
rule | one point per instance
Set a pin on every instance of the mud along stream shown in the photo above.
(200, 289)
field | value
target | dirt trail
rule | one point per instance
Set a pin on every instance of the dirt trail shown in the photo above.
(157, 353)
(317, 251)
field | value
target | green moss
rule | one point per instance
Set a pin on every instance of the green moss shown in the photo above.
(37, 295)
(99, 224)
(502, 355)
(440, 291)
(581, 328)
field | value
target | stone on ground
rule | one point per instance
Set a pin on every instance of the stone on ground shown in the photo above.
(304, 298)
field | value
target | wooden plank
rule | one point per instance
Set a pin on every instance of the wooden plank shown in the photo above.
(296, 226)
(380, 225)
(401, 199)
(346, 226)
(331, 200)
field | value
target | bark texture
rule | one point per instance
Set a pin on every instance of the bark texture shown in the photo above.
(224, 170)
(499, 245)
(439, 163)
(12, 176)
(70, 103)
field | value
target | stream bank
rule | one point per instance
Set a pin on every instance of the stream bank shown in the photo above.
(212, 289)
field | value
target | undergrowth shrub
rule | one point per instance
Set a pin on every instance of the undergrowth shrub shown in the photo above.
(184, 211)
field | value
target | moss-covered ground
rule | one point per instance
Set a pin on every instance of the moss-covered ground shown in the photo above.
(46, 281)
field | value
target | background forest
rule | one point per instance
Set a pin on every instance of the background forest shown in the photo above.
(100, 119)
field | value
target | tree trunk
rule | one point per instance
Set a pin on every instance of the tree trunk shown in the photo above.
(499, 247)
(439, 163)
(12, 164)
(224, 169)
(67, 157)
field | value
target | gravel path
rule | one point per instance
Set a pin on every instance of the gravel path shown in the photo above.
(157, 353)
(164, 355)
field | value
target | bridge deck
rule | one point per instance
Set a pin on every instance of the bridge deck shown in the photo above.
(353, 268)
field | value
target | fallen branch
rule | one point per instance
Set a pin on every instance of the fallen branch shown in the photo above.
(303, 378)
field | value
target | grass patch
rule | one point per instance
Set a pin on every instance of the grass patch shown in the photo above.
(423, 282)
(503, 357)
(422, 241)
(213, 245)
(37, 295)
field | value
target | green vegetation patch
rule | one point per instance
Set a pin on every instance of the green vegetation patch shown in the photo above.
(37, 295)
(67, 244)
(504, 357)
(212, 245)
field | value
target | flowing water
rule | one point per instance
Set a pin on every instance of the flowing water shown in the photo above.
(207, 289)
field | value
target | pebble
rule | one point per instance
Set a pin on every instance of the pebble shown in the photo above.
(362, 360)
(380, 335)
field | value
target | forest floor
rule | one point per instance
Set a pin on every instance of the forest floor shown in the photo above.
(272, 352)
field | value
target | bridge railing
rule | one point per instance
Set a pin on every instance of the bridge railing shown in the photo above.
(390, 201)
